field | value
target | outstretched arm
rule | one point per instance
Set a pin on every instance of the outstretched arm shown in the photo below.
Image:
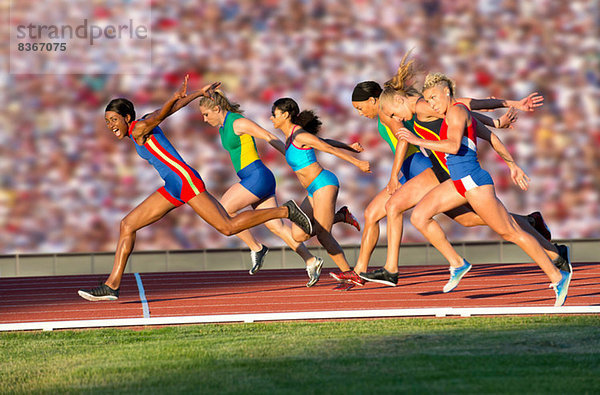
(152, 120)
(206, 91)
(505, 121)
(355, 147)
(529, 103)
(313, 141)
(516, 173)
(246, 126)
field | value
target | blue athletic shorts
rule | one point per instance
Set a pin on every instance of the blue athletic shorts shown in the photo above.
(324, 178)
(413, 166)
(469, 175)
(258, 179)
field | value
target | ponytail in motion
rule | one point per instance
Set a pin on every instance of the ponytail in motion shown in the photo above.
(307, 119)
(402, 83)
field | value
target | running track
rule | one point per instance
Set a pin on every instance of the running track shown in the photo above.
(227, 296)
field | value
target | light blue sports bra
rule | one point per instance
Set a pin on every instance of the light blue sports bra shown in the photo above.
(298, 158)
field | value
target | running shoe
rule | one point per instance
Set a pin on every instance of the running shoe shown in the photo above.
(257, 258)
(456, 274)
(561, 288)
(314, 271)
(537, 221)
(299, 217)
(103, 292)
(349, 276)
(381, 276)
(349, 218)
(563, 262)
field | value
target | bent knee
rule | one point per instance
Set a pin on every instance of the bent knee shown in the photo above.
(419, 219)
(126, 227)
(394, 206)
(511, 235)
(226, 229)
(299, 236)
(374, 214)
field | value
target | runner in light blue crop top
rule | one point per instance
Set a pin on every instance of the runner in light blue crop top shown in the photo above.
(299, 158)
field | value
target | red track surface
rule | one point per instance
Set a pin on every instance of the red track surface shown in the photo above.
(36, 299)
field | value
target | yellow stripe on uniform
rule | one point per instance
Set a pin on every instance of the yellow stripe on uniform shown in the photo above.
(438, 138)
(411, 149)
(248, 152)
(175, 165)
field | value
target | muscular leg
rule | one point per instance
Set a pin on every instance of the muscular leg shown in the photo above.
(284, 232)
(484, 201)
(469, 218)
(236, 198)
(440, 199)
(323, 203)
(374, 212)
(404, 199)
(210, 210)
(149, 211)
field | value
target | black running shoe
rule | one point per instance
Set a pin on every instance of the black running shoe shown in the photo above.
(381, 276)
(103, 292)
(537, 221)
(563, 262)
(299, 217)
(258, 257)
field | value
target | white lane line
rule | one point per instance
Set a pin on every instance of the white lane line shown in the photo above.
(145, 308)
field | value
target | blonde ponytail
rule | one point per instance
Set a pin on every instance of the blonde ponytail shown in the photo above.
(402, 83)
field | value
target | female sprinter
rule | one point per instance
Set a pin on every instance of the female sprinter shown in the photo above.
(182, 185)
(470, 184)
(402, 101)
(300, 129)
(257, 184)
(365, 98)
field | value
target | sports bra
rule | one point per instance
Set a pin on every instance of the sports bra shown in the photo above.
(298, 158)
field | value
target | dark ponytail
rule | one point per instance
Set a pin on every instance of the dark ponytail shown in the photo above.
(122, 107)
(307, 119)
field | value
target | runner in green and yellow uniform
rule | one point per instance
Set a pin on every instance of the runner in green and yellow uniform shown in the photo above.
(257, 183)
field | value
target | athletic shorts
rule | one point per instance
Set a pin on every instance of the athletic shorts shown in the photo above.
(413, 166)
(179, 189)
(258, 179)
(324, 178)
(469, 175)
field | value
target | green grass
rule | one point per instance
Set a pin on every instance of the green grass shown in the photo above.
(475, 355)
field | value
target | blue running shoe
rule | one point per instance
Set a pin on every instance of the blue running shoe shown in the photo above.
(561, 288)
(455, 275)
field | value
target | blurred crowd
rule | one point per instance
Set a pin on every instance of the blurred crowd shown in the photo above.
(66, 181)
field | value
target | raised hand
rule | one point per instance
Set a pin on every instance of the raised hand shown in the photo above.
(182, 92)
(508, 118)
(530, 102)
(208, 90)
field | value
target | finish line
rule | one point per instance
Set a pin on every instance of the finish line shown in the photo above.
(307, 315)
